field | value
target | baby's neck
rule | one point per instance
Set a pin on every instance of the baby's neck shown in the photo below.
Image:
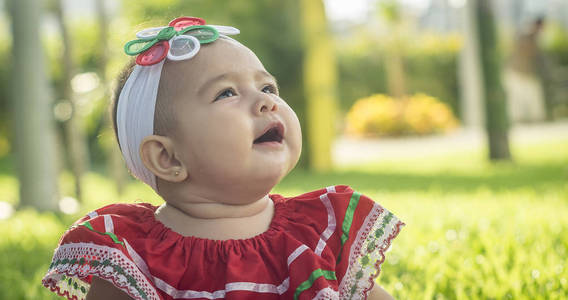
(217, 221)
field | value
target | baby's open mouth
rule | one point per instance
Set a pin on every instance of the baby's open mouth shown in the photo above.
(274, 133)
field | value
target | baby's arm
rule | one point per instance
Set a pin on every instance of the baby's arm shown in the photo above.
(378, 293)
(104, 290)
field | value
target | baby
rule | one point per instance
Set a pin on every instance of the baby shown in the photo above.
(200, 120)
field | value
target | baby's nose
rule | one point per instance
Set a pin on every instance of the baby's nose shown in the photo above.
(265, 104)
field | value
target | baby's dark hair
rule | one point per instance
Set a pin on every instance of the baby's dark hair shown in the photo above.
(163, 115)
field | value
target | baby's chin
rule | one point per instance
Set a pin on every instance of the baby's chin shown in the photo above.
(259, 186)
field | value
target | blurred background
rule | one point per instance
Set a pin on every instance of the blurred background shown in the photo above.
(453, 114)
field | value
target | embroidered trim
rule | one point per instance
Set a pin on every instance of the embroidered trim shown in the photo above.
(367, 252)
(73, 263)
(329, 275)
(327, 294)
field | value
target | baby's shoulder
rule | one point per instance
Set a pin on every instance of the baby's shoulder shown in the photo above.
(128, 210)
(338, 199)
(104, 243)
(111, 222)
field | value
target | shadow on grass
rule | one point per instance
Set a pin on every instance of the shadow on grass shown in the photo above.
(536, 177)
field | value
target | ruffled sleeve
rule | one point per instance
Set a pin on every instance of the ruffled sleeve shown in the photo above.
(363, 234)
(92, 247)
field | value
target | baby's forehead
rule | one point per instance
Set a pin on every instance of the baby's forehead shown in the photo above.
(222, 55)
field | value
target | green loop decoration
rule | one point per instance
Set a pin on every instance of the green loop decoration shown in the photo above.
(134, 48)
(205, 34)
(166, 33)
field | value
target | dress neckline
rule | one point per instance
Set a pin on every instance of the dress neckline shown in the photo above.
(162, 231)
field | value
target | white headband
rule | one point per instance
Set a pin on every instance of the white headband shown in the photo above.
(137, 102)
(135, 117)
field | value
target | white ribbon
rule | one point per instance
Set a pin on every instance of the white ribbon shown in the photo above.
(135, 117)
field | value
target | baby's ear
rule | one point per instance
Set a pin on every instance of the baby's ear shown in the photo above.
(157, 154)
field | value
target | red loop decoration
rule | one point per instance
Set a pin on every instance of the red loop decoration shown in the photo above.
(183, 22)
(153, 55)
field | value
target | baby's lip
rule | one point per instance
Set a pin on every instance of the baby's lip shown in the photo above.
(273, 132)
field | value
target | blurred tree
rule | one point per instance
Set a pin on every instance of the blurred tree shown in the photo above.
(77, 147)
(472, 106)
(34, 128)
(320, 81)
(497, 122)
(115, 162)
(390, 11)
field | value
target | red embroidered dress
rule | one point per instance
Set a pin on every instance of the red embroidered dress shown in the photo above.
(326, 244)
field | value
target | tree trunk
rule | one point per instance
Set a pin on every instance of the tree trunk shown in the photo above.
(320, 81)
(396, 77)
(77, 147)
(471, 91)
(497, 123)
(34, 128)
(115, 163)
(394, 60)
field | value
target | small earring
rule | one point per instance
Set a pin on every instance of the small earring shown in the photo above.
(176, 173)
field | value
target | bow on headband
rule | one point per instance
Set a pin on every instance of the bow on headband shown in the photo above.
(180, 40)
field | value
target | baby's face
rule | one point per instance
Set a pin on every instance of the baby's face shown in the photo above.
(233, 132)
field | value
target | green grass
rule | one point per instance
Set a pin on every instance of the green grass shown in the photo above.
(474, 230)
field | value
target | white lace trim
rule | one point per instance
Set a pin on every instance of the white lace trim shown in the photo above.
(364, 258)
(135, 267)
(326, 294)
(89, 252)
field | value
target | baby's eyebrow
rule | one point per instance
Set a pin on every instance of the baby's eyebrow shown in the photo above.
(264, 73)
(259, 74)
(209, 82)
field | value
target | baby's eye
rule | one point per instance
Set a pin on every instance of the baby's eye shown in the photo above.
(270, 89)
(226, 94)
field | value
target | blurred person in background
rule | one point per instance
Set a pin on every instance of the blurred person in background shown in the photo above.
(526, 76)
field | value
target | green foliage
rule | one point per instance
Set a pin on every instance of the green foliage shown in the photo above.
(5, 107)
(26, 247)
(474, 230)
(431, 64)
(556, 43)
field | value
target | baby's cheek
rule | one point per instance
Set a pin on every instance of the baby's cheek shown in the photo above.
(294, 126)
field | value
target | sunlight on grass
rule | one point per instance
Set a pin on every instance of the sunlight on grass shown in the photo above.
(474, 230)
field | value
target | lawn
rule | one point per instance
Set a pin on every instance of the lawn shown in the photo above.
(474, 230)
